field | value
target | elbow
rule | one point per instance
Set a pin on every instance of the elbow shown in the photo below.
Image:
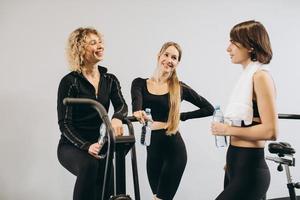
(273, 134)
(211, 110)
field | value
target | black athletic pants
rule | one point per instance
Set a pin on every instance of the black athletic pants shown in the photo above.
(89, 172)
(247, 175)
(166, 160)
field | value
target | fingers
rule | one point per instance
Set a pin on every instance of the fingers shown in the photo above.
(117, 125)
(212, 128)
(94, 150)
(118, 130)
(218, 128)
(140, 116)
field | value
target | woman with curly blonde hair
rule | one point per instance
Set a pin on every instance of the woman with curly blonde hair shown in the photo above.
(78, 147)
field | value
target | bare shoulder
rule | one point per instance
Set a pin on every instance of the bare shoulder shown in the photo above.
(262, 77)
(263, 81)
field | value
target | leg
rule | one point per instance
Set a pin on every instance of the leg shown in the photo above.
(247, 175)
(154, 166)
(175, 160)
(252, 186)
(85, 167)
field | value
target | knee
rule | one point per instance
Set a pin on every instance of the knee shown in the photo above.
(89, 168)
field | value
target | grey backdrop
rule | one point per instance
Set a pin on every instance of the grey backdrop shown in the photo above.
(33, 35)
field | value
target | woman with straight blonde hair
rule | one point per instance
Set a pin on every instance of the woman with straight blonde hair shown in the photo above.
(163, 93)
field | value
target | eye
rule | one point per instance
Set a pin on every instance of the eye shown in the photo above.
(174, 57)
(93, 42)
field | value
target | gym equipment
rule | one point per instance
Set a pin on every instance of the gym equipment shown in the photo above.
(116, 148)
(285, 156)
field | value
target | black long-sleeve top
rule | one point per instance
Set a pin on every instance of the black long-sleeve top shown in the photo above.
(79, 124)
(159, 104)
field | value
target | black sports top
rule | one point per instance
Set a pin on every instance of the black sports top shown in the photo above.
(79, 124)
(255, 109)
(159, 104)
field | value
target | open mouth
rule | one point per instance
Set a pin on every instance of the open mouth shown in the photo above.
(98, 53)
(168, 66)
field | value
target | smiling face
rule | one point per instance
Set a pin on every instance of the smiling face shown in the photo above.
(238, 53)
(168, 59)
(94, 49)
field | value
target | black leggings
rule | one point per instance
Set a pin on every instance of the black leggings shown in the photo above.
(166, 160)
(89, 172)
(247, 175)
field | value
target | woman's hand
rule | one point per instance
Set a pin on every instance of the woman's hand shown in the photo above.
(141, 116)
(94, 150)
(219, 128)
(117, 125)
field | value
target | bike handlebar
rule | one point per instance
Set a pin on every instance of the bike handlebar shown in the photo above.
(288, 116)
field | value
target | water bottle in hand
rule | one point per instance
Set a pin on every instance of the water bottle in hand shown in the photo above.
(146, 129)
(218, 116)
(102, 140)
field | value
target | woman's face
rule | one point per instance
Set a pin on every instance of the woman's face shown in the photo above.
(168, 60)
(238, 53)
(93, 49)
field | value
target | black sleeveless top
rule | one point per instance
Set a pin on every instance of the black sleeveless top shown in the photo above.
(255, 109)
(255, 114)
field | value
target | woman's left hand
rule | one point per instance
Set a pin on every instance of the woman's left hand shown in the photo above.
(117, 125)
(219, 128)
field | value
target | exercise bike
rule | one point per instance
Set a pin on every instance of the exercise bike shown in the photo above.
(285, 157)
(114, 150)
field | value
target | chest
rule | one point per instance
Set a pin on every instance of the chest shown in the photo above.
(157, 89)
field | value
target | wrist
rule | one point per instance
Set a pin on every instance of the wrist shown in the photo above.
(227, 130)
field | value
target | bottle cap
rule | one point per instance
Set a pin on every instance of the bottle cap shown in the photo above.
(148, 110)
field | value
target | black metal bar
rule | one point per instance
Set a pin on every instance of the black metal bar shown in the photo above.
(292, 191)
(120, 172)
(129, 119)
(288, 116)
(111, 144)
(137, 196)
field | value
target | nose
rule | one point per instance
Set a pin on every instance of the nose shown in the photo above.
(100, 46)
(228, 48)
(169, 59)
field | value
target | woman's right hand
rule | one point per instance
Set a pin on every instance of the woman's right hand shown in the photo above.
(140, 116)
(94, 150)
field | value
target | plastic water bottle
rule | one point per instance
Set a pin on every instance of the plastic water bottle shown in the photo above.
(102, 141)
(218, 116)
(146, 129)
(102, 136)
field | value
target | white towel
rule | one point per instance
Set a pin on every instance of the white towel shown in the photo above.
(240, 103)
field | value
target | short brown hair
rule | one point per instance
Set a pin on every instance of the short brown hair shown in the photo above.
(75, 49)
(253, 35)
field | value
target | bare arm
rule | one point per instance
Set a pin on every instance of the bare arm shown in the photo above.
(268, 129)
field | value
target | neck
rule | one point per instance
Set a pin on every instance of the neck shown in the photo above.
(90, 70)
(160, 78)
(246, 63)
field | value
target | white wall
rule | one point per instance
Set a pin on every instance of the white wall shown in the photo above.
(33, 35)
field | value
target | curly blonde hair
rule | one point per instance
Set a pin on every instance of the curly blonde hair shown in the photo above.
(75, 49)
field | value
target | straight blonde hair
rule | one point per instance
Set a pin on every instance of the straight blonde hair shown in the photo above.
(174, 91)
